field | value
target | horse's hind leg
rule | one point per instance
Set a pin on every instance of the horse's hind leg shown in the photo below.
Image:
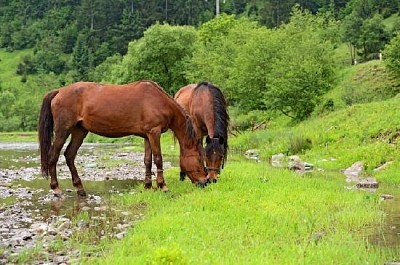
(154, 139)
(59, 140)
(77, 136)
(147, 164)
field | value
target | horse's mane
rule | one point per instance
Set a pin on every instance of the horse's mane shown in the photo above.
(220, 109)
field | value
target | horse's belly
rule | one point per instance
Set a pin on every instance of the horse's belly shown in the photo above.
(112, 128)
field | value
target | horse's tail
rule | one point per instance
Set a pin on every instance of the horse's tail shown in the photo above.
(46, 128)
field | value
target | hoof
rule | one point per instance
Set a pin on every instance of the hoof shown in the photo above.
(148, 186)
(81, 193)
(201, 185)
(182, 176)
(58, 193)
(214, 180)
(164, 188)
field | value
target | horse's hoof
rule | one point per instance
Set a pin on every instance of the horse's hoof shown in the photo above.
(182, 176)
(58, 195)
(164, 188)
(214, 180)
(148, 186)
(201, 184)
(81, 193)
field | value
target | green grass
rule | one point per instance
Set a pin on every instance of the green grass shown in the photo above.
(362, 83)
(254, 215)
(362, 132)
(8, 65)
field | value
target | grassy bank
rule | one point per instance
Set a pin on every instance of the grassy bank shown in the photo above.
(255, 215)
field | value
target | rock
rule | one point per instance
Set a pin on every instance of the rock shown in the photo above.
(91, 165)
(252, 154)
(386, 197)
(296, 164)
(383, 167)
(353, 172)
(120, 235)
(278, 160)
(368, 183)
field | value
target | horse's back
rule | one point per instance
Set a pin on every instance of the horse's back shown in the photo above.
(114, 110)
(184, 96)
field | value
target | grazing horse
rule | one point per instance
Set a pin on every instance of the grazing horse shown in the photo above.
(207, 107)
(141, 108)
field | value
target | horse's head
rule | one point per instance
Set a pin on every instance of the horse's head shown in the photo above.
(192, 165)
(215, 151)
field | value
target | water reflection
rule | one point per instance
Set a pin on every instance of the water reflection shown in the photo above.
(388, 235)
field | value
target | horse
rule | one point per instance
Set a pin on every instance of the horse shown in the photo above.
(141, 108)
(207, 106)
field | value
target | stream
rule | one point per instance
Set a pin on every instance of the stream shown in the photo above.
(32, 218)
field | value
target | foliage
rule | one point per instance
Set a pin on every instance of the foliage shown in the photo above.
(392, 56)
(160, 55)
(303, 69)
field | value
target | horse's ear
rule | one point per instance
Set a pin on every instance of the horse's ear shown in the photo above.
(208, 139)
(221, 140)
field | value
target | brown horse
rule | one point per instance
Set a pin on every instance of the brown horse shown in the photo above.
(207, 106)
(140, 108)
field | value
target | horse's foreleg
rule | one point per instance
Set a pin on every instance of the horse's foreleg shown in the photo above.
(147, 164)
(77, 136)
(55, 150)
(154, 140)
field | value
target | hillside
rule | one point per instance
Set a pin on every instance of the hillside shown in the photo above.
(364, 128)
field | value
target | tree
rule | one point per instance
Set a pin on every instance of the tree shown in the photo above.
(351, 31)
(214, 52)
(161, 55)
(81, 57)
(373, 37)
(303, 69)
(392, 56)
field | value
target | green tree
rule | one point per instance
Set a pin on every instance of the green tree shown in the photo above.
(351, 31)
(303, 69)
(373, 37)
(161, 55)
(215, 51)
(81, 57)
(392, 56)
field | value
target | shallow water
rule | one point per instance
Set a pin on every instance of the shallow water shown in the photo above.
(29, 212)
(388, 235)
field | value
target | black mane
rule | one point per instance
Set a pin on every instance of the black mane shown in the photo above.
(220, 109)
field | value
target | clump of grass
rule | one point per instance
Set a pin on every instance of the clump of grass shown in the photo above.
(166, 256)
(298, 144)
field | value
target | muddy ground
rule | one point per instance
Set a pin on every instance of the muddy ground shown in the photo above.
(32, 219)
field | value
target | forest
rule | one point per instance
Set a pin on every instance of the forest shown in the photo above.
(269, 57)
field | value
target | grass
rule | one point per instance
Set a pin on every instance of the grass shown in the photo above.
(257, 214)
(8, 65)
(254, 215)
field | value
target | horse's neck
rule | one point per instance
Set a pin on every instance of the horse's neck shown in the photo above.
(178, 126)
